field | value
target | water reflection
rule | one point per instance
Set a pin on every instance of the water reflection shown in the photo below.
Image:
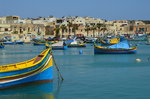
(34, 91)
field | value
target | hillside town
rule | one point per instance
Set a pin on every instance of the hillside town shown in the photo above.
(17, 28)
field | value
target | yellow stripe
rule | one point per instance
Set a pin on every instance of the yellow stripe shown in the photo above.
(82, 44)
(50, 64)
(23, 65)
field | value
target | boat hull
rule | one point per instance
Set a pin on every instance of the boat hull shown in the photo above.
(19, 42)
(114, 51)
(45, 76)
(42, 71)
(9, 43)
(59, 47)
(38, 44)
(2, 46)
(76, 45)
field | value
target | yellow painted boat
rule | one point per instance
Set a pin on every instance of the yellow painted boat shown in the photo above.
(38, 69)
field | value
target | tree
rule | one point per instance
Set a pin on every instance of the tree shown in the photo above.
(75, 27)
(63, 29)
(99, 25)
(69, 26)
(87, 29)
(103, 28)
(93, 28)
(49, 30)
(57, 31)
(15, 32)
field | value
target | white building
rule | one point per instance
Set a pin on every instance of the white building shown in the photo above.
(43, 20)
(79, 20)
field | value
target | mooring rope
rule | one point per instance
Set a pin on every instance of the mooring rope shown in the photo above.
(58, 71)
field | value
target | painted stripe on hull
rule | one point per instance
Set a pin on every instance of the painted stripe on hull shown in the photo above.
(18, 72)
(46, 75)
(10, 79)
(2, 46)
(38, 44)
(43, 73)
(114, 52)
(76, 45)
(60, 48)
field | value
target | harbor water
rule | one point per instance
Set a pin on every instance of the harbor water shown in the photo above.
(86, 76)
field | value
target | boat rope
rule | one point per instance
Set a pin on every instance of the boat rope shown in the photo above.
(59, 84)
(57, 69)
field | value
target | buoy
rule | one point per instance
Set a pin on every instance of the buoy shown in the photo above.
(80, 51)
(138, 60)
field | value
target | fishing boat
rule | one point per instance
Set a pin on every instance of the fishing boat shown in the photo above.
(77, 45)
(38, 44)
(2, 45)
(19, 42)
(119, 48)
(90, 39)
(59, 46)
(52, 42)
(110, 41)
(9, 43)
(74, 43)
(38, 69)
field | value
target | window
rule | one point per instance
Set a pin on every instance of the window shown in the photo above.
(6, 29)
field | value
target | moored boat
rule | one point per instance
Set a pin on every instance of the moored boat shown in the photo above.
(2, 45)
(74, 43)
(9, 43)
(19, 42)
(119, 48)
(110, 42)
(38, 44)
(77, 45)
(38, 69)
(57, 46)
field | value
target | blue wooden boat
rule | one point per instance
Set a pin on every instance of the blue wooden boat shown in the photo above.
(9, 43)
(38, 44)
(119, 48)
(77, 45)
(74, 43)
(110, 41)
(38, 69)
(57, 46)
(19, 42)
(2, 45)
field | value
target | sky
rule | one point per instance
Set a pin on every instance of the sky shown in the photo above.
(103, 9)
